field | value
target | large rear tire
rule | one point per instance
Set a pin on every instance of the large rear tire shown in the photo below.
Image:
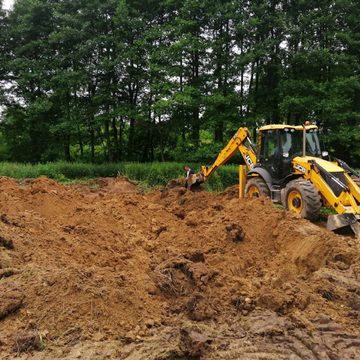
(302, 198)
(256, 187)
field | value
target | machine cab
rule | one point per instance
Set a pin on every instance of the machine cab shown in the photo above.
(279, 144)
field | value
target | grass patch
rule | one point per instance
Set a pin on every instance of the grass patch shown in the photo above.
(147, 174)
(325, 212)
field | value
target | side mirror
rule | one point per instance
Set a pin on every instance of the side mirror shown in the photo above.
(325, 155)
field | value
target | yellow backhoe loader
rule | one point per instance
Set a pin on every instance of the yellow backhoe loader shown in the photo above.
(289, 167)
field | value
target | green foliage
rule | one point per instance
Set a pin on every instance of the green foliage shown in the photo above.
(224, 177)
(113, 81)
(343, 143)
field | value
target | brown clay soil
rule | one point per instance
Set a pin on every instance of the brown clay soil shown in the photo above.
(102, 271)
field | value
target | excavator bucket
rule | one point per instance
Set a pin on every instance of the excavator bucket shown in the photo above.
(195, 181)
(341, 221)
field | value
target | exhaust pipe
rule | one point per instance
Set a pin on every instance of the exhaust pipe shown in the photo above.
(304, 141)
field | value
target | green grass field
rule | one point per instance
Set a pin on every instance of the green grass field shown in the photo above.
(147, 174)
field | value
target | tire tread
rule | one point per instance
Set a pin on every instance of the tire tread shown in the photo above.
(260, 184)
(311, 198)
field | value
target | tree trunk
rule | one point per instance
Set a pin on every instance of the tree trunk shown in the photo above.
(241, 83)
(133, 93)
(121, 139)
(250, 88)
(131, 154)
(196, 112)
(67, 148)
(80, 142)
(219, 131)
(115, 139)
(92, 144)
(108, 147)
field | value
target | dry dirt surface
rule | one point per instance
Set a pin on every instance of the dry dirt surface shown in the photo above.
(105, 272)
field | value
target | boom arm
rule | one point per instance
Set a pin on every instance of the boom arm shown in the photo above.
(239, 142)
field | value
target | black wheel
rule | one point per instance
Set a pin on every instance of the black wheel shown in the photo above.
(302, 198)
(256, 187)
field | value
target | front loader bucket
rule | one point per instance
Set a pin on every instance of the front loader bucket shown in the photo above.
(341, 221)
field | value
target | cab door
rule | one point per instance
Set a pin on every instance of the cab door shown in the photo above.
(270, 155)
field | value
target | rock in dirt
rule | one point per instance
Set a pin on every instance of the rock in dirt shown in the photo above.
(119, 184)
(199, 273)
(5, 259)
(11, 301)
(180, 214)
(180, 276)
(157, 230)
(231, 192)
(267, 324)
(193, 343)
(4, 273)
(6, 243)
(27, 341)
(235, 232)
(243, 303)
(199, 308)
(354, 302)
(196, 256)
(5, 219)
(218, 207)
(174, 183)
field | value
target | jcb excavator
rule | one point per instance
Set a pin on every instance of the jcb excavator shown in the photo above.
(290, 168)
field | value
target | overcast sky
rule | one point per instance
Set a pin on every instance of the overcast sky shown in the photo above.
(7, 3)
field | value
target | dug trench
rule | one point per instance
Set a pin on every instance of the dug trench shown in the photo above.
(103, 271)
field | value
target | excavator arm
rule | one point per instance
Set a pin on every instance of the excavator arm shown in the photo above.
(239, 142)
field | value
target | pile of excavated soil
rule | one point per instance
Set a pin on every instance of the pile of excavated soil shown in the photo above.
(106, 272)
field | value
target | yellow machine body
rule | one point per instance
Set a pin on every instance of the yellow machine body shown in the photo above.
(312, 181)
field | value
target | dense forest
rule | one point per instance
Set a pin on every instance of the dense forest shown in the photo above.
(145, 80)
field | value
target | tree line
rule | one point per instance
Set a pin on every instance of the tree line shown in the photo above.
(145, 80)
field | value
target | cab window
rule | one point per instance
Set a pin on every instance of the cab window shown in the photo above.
(291, 142)
(270, 144)
(313, 144)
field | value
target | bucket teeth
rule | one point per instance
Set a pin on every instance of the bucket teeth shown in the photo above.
(356, 229)
(340, 221)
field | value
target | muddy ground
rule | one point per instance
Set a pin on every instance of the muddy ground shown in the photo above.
(102, 271)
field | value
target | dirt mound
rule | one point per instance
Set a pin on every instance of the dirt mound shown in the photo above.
(174, 274)
(119, 184)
